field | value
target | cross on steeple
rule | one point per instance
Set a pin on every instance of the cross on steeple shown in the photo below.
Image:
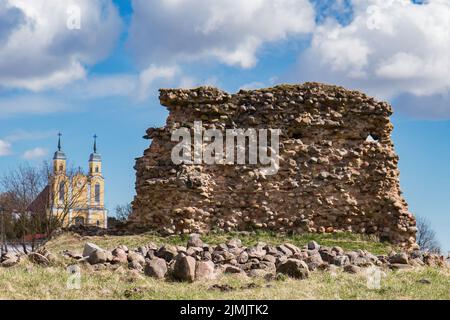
(59, 141)
(95, 143)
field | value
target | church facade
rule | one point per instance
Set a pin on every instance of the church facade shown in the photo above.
(77, 198)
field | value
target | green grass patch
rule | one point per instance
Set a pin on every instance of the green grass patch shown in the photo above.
(348, 241)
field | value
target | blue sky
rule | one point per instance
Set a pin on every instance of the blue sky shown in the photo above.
(103, 78)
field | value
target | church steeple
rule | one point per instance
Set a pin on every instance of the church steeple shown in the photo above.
(59, 159)
(95, 160)
(59, 155)
(95, 143)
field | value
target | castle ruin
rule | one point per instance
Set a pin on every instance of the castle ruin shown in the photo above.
(337, 168)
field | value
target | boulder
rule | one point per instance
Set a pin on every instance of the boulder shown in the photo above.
(184, 268)
(399, 266)
(314, 261)
(399, 258)
(256, 252)
(136, 257)
(156, 268)
(38, 258)
(194, 240)
(243, 257)
(232, 269)
(327, 256)
(261, 273)
(341, 261)
(143, 250)
(204, 270)
(312, 245)
(9, 256)
(270, 258)
(97, 257)
(135, 265)
(234, 243)
(89, 248)
(292, 247)
(284, 250)
(9, 259)
(294, 268)
(352, 269)
(119, 256)
(167, 252)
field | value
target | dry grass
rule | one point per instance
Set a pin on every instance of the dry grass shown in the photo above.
(27, 281)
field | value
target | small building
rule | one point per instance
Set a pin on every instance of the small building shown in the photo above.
(75, 198)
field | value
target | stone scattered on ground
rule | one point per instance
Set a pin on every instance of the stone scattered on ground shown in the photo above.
(198, 261)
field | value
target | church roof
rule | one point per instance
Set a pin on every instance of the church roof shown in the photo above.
(39, 204)
(59, 155)
(95, 157)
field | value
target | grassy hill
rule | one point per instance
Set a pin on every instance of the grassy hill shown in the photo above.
(28, 281)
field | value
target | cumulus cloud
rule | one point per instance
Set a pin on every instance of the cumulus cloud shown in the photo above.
(36, 153)
(5, 148)
(153, 75)
(10, 18)
(39, 51)
(230, 31)
(30, 105)
(21, 135)
(390, 48)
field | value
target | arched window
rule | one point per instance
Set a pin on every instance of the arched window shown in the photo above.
(98, 223)
(97, 193)
(96, 169)
(61, 168)
(62, 190)
(79, 221)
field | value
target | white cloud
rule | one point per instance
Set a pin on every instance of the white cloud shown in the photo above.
(30, 105)
(38, 51)
(389, 48)
(21, 135)
(35, 153)
(104, 86)
(5, 148)
(153, 76)
(231, 31)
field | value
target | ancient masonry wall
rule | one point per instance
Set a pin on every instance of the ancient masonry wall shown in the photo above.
(332, 176)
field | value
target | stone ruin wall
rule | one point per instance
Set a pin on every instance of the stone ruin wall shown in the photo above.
(331, 178)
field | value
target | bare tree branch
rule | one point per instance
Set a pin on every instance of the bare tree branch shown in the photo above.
(426, 237)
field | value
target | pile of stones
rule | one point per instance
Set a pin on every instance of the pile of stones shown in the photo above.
(41, 257)
(200, 261)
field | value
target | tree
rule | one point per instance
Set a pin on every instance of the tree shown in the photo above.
(426, 237)
(123, 212)
(33, 207)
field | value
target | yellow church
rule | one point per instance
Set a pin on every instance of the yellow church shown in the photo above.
(76, 198)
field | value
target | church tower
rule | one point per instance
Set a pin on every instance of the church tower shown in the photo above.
(59, 184)
(97, 212)
(59, 159)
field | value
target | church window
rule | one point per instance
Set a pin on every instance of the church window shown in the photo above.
(97, 193)
(79, 221)
(61, 168)
(61, 191)
(98, 223)
(96, 169)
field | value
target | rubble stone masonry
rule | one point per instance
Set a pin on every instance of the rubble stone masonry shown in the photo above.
(337, 168)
